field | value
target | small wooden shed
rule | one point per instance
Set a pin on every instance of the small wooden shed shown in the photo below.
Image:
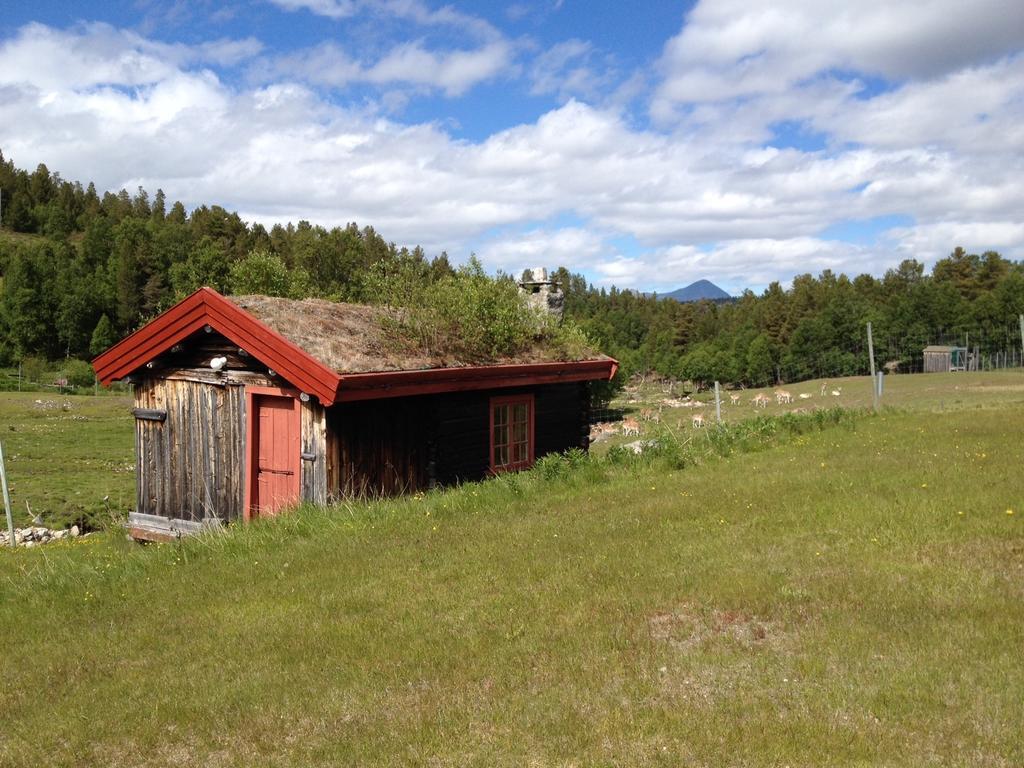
(247, 404)
(939, 359)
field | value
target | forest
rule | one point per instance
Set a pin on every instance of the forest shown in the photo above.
(81, 269)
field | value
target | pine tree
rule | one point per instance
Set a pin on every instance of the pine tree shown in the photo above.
(103, 336)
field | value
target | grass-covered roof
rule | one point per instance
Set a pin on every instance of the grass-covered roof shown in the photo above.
(358, 338)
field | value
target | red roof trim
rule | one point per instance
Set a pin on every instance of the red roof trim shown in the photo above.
(302, 370)
(370, 386)
(207, 307)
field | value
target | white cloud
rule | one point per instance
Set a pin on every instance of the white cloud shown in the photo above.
(420, 13)
(735, 264)
(406, 64)
(976, 109)
(452, 71)
(730, 48)
(546, 247)
(567, 69)
(325, 64)
(98, 54)
(935, 241)
(332, 9)
(414, 11)
(705, 199)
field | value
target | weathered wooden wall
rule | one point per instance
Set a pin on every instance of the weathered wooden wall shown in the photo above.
(313, 482)
(389, 447)
(191, 464)
(937, 362)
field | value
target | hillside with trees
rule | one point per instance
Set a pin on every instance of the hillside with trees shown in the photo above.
(815, 328)
(80, 269)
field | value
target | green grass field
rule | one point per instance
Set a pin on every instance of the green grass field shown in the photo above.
(848, 596)
(931, 392)
(65, 453)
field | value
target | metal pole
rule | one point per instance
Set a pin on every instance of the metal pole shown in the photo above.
(7, 499)
(871, 355)
(1021, 318)
(718, 403)
(881, 381)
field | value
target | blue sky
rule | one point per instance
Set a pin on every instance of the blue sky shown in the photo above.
(645, 145)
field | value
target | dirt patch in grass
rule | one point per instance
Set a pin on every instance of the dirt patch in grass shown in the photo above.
(689, 628)
(710, 657)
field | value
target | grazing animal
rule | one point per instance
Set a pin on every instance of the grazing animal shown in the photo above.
(805, 396)
(760, 400)
(734, 399)
(646, 414)
(824, 386)
(698, 420)
(630, 427)
(782, 396)
(656, 416)
(601, 429)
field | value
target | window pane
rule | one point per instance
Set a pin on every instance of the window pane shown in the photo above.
(501, 435)
(511, 434)
(521, 409)
(500, 415)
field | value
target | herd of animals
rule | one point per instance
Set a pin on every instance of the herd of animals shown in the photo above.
(631, 425)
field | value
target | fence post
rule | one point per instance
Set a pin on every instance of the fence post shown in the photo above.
(7, 499)
(718, 403)
(1021, 318)
(871, 355)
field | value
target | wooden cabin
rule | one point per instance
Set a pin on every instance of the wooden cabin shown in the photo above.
(245, 405)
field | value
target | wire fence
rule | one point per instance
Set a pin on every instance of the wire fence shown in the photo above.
(988, 350)
(13, 381)
(993, 349)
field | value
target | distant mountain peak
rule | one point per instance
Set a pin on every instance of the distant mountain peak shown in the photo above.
(702, 289)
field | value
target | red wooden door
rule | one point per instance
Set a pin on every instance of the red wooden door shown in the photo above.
(277, 454)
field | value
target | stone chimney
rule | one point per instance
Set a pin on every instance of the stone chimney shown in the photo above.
(542, 293)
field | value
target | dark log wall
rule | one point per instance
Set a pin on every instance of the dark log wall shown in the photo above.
(562, 418)
(463, 427)
(398, 446)
(379, 447)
